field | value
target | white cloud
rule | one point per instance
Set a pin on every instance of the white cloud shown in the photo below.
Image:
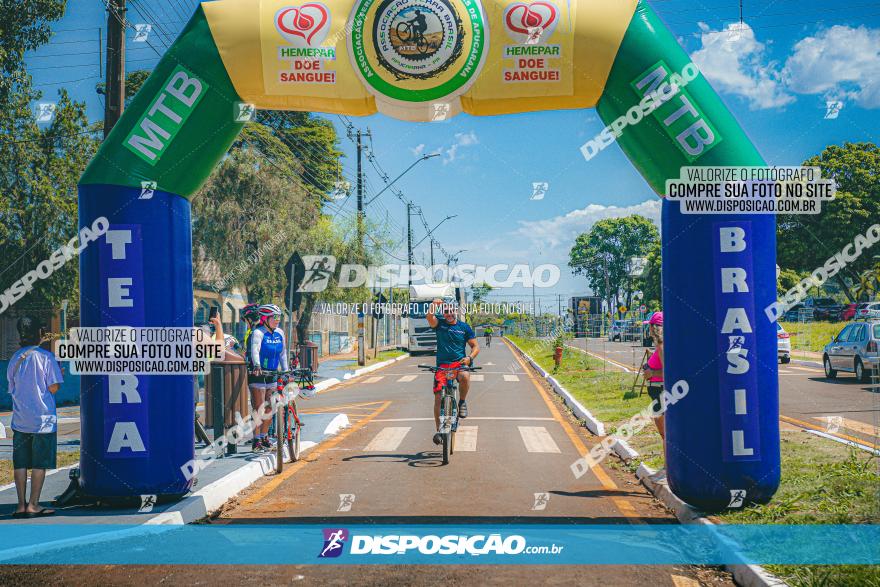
(736, 63)
(563, 230)
(840, 62)
(450, 153)
(417, 150)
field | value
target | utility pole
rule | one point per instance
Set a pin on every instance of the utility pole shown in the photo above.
(409, 241)
(100, 53)
(360, 200)
(432, 252)
(115, 87)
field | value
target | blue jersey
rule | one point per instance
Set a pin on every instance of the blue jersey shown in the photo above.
(451, 340)
(268, 349)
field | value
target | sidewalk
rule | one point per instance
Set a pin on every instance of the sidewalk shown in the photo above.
(338, 367)
(220, 480)
(217, 482)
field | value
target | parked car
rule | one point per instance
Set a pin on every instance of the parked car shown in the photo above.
(870, 310)
(848, 312)
(854, 350)
(797, 312)
(823, 308)
(783, 344)
(622, 330)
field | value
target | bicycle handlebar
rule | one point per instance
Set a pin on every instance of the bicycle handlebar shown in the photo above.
(459, 368)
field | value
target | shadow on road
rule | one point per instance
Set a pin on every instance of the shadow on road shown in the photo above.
(420, 459)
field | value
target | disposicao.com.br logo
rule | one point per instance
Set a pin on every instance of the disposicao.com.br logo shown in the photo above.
(451, 544)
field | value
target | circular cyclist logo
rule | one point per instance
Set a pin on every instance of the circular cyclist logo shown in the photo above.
(418, 50)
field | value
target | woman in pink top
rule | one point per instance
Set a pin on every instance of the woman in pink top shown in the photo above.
(654, 369)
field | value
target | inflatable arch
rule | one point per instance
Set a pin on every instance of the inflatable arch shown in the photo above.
(419, 60)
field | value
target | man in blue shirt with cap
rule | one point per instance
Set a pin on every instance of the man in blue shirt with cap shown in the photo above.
(453, 336)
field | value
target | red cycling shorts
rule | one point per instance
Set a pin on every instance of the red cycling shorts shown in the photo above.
(440, 377)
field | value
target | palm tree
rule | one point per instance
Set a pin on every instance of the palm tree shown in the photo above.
(867, 283)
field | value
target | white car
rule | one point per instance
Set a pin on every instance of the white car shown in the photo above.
(868, 311)
(784, 344)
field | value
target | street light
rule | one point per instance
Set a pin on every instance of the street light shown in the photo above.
(388, 185)
(453, 258)
(430, 232)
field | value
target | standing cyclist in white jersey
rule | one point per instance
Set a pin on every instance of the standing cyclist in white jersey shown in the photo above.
(268, 351)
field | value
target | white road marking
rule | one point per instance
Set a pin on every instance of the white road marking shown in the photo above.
(537, 439)
(466, 439)
(508, 377)
(374, 379)
(388, 439)
(489, 363)
(407, 378)
(478, 377)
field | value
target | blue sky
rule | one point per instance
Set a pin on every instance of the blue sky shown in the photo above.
(776, 73)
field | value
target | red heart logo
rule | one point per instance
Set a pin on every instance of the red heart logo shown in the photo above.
(304, 21)
(521, 17)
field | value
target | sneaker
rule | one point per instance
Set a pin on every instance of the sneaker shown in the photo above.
(266, 442)
(256, 445)
(462, 409)
(438, 439)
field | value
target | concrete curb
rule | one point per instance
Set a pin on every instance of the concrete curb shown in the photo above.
(371, 368)
(655, 482)
(590, 421)
(624, 450)
(211, 497)
(843, 441)
(743, 575)
(191, 508)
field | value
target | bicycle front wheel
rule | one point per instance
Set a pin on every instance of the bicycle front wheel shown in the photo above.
(280, 433)
(293, 442)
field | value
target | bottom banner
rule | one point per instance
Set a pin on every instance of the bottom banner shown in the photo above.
(220, 544)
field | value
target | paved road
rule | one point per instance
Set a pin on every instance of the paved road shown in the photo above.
(806, 398)
(516, 443)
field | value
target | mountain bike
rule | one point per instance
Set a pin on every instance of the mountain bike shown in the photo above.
(406, 33)
(448, 406)
(288, 427)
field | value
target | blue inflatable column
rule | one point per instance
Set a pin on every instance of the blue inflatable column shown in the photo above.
(722, 438)
(137, 430)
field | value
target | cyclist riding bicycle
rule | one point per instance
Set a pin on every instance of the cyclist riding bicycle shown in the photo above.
(453, 336)
(419, 25)
(487, 332)
(268, 353)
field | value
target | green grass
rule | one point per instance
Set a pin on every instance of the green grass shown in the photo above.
(603, 391)
(64, 458)
(606, 393)
(823, 482)
(382, 356)
(811, 336)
